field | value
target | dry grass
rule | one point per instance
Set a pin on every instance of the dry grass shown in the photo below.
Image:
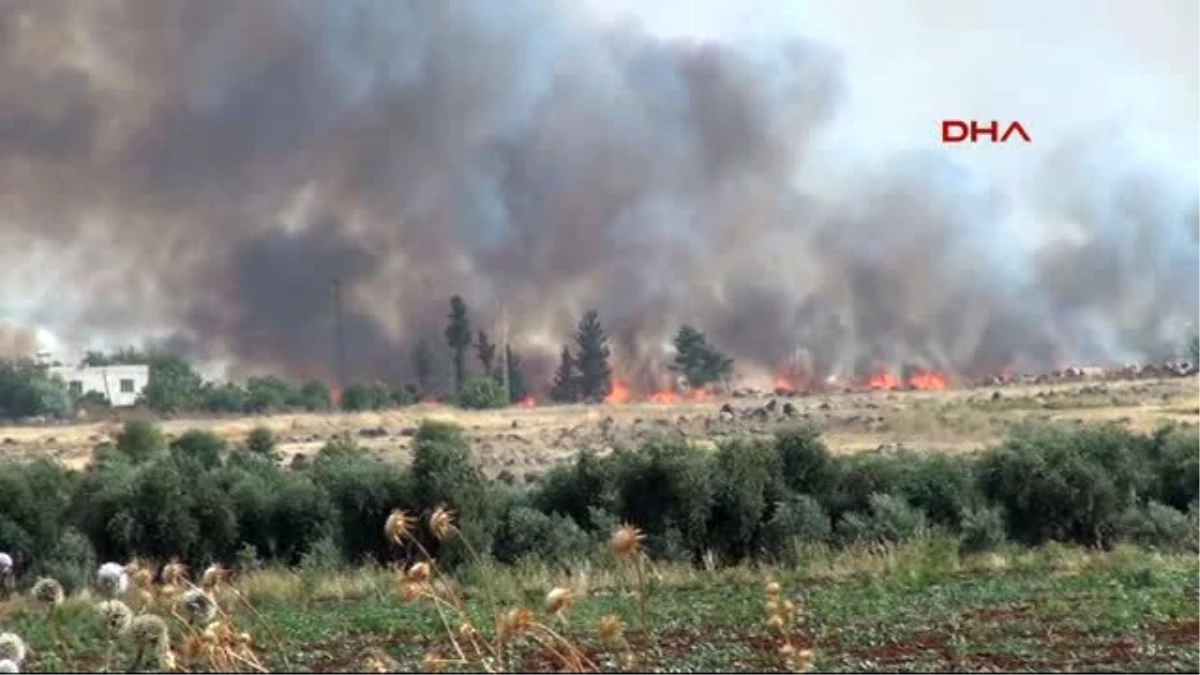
(523, 441)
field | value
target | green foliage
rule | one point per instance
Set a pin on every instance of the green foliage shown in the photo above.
(482, 393)
(806, 465)
(665, 486)
(888, 520)
(578, 489)
(360, 396)
(268, 394)
(71, 561)
(261, 441)
(141, 440)
(203, 448)
(982, 529)
(174, 386)
(591, 358)
(443, 473)
(1157, 525)
(1194, 349)
(312, 396)
(747, 484)
(526, 533)
(1175, 464)
(227, 397)
(518, 388)
(28, 390)
(92, 400)
(699, 361)
(363, 491)
(1069, 486)
(458, 336)
(941, 486)
(798, 521)
(565, 388)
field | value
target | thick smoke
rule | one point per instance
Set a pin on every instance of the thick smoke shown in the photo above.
(207, 171)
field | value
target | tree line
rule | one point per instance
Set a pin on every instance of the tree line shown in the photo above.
(483, 374)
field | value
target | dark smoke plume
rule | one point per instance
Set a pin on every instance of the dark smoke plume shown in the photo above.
(207, 170)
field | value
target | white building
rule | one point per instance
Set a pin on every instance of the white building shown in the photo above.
(120, 384)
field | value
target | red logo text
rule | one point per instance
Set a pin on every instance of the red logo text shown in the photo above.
(970, 131)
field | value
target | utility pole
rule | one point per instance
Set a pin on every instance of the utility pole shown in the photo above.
(338, 338)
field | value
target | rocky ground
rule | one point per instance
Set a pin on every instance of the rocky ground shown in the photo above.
(518, 444)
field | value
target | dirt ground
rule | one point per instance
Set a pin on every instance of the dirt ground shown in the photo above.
(519, 443)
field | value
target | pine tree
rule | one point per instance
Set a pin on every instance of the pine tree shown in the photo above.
(591, 343)
(697, 360)
(422, 361)
(486, 350)
(517, 387)
(566, 381)
(458, 336)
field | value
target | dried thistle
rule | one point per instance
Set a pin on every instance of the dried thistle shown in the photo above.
(149, 632)
(6, 564)
(627, 540)
(419, 572)
(432, 662)
(772, 590)
(112, 580)
(399, 526)
(115, 615)
(558, 600)
(174, 573)
(611, 629)
(9, 666)
(410, 591)
(214, 575)
(12, 648)
(198, 607)
(515, 622)
(47, 591)
(775, 623)
(441, 522)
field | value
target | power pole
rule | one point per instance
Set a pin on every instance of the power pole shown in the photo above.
(338, 338)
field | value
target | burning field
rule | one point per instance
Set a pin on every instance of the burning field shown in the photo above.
(921, 412)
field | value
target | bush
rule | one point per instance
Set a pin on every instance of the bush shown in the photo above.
(1065, 485)
(443, 473)
(224, 398)
(312, 396)
(268, 394)
(482, 393)
(203, 448)
(1176, 466)
(746, 485)
(890, 520)
(550, 538)
(981, 529)
(361, 396)
(940, 486)
(807, 467)
(577, 489)
(799, 520)
(862, 475)
(141, 441)
(28, 390)
(1157, 525)
(363, 492)
(261, 441)
(666, 485)
(71, 561)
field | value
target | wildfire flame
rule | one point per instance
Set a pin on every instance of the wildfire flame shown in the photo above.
(920, 379)
(783, 382)
(882, 379)
(927, 381)
(620, 393)
(529, 402)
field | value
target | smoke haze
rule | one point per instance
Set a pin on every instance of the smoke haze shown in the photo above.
(202, 173)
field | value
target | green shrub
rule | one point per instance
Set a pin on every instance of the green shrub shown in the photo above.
(443, 473)
(268, 394)
(1065, 485)
(261, 441)
(1176, 467)
(889, 520)
(482, 393)
(141, 440)
(940, 486)
(861, 475)
(807, 467)
(981, 529)
(312, 396)
(27, 389)
(746, 484)
(203, 448)
(34, 500)
(666, 484)
(360, 396)
(223, 398)
(1157, 525)
(363, 492)
(798, 521)
(550, 538)
(301, 514)
(71, 561)
(574, 490)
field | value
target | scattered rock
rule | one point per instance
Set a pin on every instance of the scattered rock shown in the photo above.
(996, 396)
(10, 441)
(515, 424)
(507, 477)
(789, 409)
(532, 476)
(299, 462)
(824, 405)
(373, 432)
(771, 405)
(408, 432)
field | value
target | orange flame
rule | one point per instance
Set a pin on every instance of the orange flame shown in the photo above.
(529, 401)
(927, 381)
(882, 379)
(785, 383)
(700, 395)
(664, 396)
(620, 393)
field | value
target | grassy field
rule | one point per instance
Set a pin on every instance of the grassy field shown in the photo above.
(920, 608)
(525, 441)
